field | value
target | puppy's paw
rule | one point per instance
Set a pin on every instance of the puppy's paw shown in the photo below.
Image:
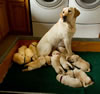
(66, 67)
(88, 84)
(34, 57)
(60, 70)
(27, 69)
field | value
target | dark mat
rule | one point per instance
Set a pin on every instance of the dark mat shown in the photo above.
(44, 79)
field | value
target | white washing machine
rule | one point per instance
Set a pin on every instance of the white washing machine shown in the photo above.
(45, 13)
(88, 23)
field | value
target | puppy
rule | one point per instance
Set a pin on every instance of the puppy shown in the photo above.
(55, 62)
(21, 59)
(35, 64)
(28, 52)
(21, 50)
(33, 47)
(80, 63)
(18, 58)
(70, 73)
(38, 63)
(82, 76)
(63, 30)
(65, 64)
(68, 80)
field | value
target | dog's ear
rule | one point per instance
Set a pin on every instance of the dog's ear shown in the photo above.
(61, 15)
(77, 12)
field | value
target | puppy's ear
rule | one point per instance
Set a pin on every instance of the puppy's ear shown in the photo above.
(77, 12)
(76, 57)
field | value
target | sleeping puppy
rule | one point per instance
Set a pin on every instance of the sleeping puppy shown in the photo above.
(18, 58)
(55, 62)
(83, 77)
(28, 52)
(21, 50)
(38, 63)
(63, 30)
(21, 59)
(35, 64)
(23, 56)
(77, 61)
(68, 80)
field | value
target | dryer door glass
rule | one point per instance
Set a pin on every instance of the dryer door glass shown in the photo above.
(88, 1)
(88, 4)
(49, 3)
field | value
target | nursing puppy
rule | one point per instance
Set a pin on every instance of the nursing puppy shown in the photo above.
(63, 30)
(63, 57)
(83, 77)
(80, 63)
(64, 63)
(55, 62)
(62, 50)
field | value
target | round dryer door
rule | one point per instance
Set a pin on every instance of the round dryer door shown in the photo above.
(88, 4)
(49, 3)
(47, 11)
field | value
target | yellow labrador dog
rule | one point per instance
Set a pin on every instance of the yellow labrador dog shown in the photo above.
(63, 30)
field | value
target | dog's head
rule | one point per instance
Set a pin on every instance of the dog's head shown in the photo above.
(69, 13)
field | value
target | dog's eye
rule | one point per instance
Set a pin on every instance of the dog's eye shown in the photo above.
(69, 11)
(63, 12)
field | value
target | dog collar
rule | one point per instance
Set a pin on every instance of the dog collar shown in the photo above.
(31, 58)
(24, 60)
(61, 78)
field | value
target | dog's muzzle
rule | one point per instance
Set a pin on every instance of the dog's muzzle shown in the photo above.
(64, 18)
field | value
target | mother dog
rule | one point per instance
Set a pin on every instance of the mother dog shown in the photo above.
(63, 30)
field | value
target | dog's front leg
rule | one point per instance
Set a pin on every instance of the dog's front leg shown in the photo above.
(67, 43)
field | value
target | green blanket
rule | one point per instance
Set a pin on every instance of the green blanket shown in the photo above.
(44, 79)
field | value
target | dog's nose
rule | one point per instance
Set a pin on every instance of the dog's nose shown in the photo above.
(64, 18)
